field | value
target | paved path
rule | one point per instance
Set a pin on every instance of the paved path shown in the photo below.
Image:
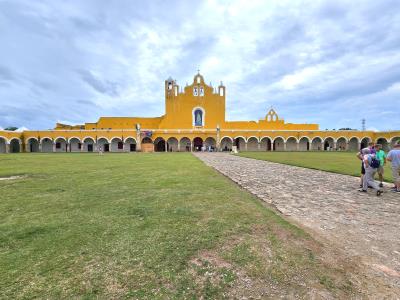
(365, 226)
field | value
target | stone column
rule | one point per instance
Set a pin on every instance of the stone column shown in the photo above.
(7, 148)
(54, 147)
(334, 146)
(166, 146)
(245, 146)
(358, 145)
(82, 146)
(298, 146)
(191, 146)
(40, 146)
(284, 146)
(259, 146)
(179, 146)
(27, 148)
(138, 139)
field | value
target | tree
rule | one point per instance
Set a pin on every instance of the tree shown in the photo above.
(11, 128)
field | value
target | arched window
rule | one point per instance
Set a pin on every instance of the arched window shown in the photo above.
(198, 117)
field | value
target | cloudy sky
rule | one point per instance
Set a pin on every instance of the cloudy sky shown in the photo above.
(327, 62)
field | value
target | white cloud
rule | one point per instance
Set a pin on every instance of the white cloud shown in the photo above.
(320, 61)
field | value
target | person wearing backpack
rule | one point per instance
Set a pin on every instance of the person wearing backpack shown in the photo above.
(371, 165)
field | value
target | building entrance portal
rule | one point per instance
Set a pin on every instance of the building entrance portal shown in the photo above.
(197, 144)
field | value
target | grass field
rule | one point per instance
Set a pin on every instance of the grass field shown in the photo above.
(149, 226)
(337, 162)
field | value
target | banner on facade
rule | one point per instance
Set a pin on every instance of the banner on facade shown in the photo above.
(147, 133)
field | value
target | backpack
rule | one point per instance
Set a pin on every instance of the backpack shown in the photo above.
(375, 163)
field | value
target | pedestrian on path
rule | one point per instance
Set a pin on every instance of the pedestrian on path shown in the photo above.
(381, 156)
(394, 157)
(371, 165)
(360, 156)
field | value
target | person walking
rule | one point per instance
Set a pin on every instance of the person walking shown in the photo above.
(371, 165)
(381, 156)
(360, 156)
(394, 158)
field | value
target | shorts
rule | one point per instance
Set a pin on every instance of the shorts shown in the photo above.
(381, 170)
(396, 173)
(362, 168)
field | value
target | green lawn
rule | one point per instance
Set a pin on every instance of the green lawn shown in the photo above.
(149, 226)
(337, 162)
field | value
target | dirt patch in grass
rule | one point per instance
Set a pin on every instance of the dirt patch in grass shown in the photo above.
(271, 262)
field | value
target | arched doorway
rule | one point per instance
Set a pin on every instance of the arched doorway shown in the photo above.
(75, 145)
(316, 144)
(364, 142)
(394, 141)
(184, 144)
(240, 143)
(117, 145)
(3, 145)
(15, 146)
(32, 145)
(279, 144)
(159, 145)
(47, 145)
(172, 144)
(384, 143)
(252, 144)
(103, 145)
(266, 144)
(88, 144)
(130, 145)
(329, 144)
(210, 144)
(147, 144)
(304, 144)
(61, 144)
(226, 144)
(341, 144)
(197, 144)
(353, 144)
(291, 144)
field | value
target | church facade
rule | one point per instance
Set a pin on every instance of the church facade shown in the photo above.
(194, 120)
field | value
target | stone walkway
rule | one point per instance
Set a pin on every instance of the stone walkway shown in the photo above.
(364, 226)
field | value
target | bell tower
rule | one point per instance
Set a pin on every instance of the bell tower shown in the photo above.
(171, 94)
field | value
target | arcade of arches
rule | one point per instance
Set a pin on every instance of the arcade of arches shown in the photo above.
(194, 120)
(187, 144)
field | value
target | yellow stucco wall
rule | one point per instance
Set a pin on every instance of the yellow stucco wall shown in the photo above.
(178, 122)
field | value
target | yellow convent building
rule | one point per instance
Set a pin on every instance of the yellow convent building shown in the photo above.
(194, 120)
